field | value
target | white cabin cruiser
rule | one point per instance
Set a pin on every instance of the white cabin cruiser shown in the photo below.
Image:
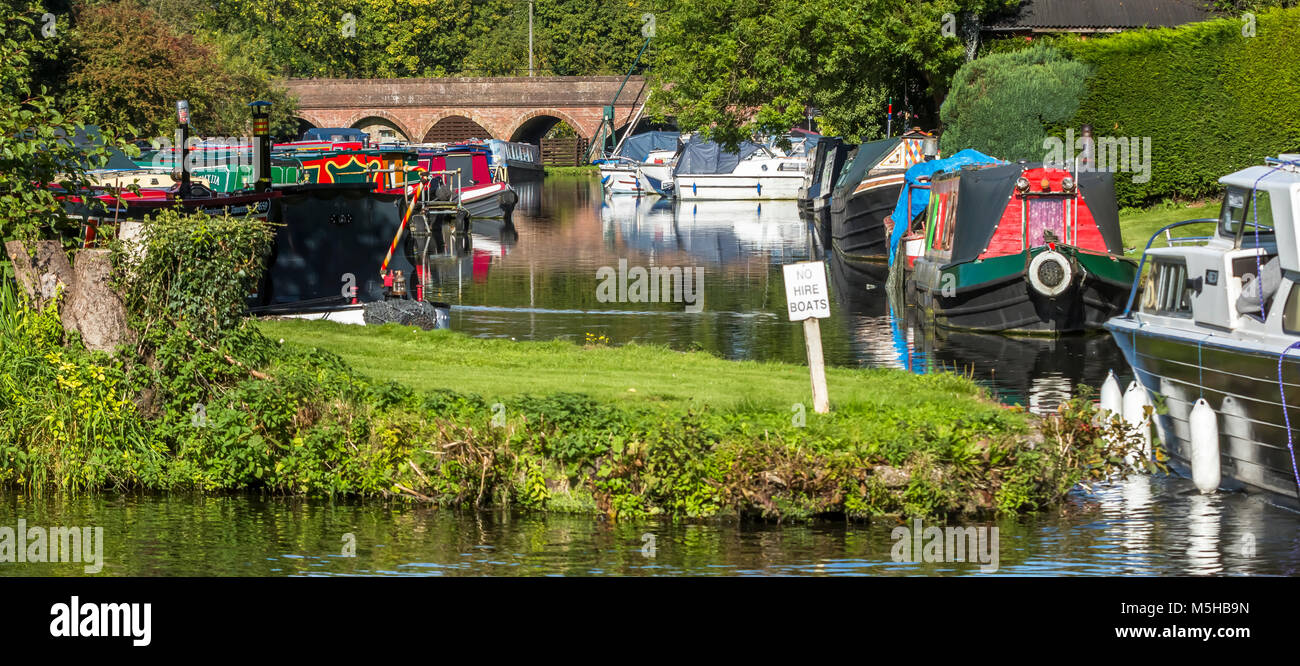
(1208, 328)
(623, 173)
(705, 171)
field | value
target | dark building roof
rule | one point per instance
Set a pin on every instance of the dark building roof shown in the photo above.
(1099, 15)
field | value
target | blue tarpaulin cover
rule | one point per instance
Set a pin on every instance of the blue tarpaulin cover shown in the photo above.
(638, 146)
(708, 157)
(920, 197)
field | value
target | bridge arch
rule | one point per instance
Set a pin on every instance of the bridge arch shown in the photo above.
(535, 124)
(302, 125)
(453, 127)
(378, 119)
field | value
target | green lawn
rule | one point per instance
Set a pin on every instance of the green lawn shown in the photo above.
(1137, 226)
(497, 369)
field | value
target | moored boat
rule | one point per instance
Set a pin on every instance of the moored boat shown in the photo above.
(1020, 248)
(706, 171)
(866, 192)
(1215, 321)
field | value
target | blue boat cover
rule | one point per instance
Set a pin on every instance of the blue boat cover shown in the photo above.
(920, 197)
(708, 157)
(639, 146)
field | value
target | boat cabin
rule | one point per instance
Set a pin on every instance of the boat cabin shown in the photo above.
(1216, 280)
(470, 162)
(1010, 208)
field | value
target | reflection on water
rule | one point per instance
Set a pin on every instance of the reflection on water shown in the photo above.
(536, 279)
(1146, 526)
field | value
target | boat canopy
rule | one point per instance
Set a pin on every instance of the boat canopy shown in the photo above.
(920, 196)
(334, 134)
(869, 155)
(86, 139)
(639, 146)
(983, 195)
(708, 158)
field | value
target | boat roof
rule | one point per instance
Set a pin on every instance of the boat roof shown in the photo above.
(869, 155)
(1279, 177)
(708, 157)
(639, 146)
(984, 193)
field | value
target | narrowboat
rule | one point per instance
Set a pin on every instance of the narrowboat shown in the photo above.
(1020, 248)
(754, 171)
(470, 178)
(866, 192)
(516, 162)
(828, 157)
(1212, 336)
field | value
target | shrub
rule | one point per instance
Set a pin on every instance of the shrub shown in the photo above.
(1002, 104)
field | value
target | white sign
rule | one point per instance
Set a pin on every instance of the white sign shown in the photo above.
(805, 290)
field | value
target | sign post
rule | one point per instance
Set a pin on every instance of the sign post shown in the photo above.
(807, 300)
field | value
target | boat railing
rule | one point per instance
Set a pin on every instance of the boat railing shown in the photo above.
(1132, 294)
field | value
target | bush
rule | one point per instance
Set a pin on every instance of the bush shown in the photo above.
(1002, 104)
(1212, 100)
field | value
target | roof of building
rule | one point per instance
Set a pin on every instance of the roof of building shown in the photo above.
(1104, 15)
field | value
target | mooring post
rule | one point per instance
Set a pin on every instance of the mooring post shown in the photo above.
(812, 337)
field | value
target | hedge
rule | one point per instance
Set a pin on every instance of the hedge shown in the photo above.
(1211, 99)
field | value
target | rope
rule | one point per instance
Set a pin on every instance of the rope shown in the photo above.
(1285, 414)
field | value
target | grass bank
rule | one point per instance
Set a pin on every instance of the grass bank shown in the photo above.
(584, 170)
(627, 374)
(1138, 224)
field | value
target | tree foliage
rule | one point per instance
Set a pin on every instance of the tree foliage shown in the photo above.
(129, 66)
(36, 156)
(738, 68)
(1003, 104)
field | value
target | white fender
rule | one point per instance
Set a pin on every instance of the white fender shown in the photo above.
(1204, 424)
(1036, 281)
(1111, 399)
(1135, 399)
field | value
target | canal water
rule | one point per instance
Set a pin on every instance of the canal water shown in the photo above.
(538, 279)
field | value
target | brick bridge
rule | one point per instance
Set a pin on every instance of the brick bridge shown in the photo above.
(451, 109)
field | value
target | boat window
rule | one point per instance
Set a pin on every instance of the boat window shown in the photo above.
(1166, 290)
(949, 220)
(1244, 208)
(1046, 220)
(1291, 312)
(465, 165)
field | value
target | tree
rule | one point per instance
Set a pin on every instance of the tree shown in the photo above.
(1002, 104)
(35, 152)
(743, 67)
(130, 67)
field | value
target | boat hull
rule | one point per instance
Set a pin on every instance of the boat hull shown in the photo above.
(858, 231)
(994, 295)
(728, 187)
(1240, 381)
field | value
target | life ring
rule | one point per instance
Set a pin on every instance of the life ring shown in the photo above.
(1050, 273)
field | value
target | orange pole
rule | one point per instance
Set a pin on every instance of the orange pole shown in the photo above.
(405, 218)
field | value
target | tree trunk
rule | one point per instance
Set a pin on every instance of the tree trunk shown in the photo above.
(90, 306)
(95, 308)
(40, 276)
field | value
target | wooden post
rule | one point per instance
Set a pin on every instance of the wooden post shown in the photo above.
(812, 337)
(807, 299)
